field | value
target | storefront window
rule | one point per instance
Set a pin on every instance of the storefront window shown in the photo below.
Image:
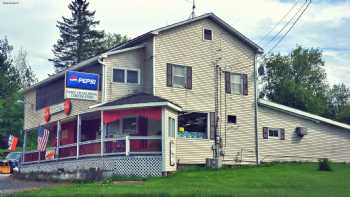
(193, 125)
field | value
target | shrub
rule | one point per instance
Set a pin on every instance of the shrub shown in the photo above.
(324, 165)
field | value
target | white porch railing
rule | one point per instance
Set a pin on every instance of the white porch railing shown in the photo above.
(126, 145)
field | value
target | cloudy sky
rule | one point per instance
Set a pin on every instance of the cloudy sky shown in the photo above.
(30, 24)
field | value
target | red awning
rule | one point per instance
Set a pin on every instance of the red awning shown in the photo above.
(150, 113)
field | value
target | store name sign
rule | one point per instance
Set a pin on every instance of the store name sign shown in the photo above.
(80, 85)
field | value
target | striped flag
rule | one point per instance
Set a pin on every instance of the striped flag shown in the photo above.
(43, 136)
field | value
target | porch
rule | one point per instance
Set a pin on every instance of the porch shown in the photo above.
(111, 137)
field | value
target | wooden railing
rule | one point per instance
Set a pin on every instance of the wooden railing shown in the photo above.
(127, 145)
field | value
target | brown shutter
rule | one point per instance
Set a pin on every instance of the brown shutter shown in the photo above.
(245, 83)
(212, 125)
(282, 133)
(265, 133)
(228, 82)
(189, 77)
(169, 75)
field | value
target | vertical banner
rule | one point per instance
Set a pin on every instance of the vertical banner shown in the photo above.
(12, 142)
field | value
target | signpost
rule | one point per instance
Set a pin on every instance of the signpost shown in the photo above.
(82, 86)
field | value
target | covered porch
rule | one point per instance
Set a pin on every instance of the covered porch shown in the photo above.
(123, 128)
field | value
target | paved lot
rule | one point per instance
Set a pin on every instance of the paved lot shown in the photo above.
(10, 185)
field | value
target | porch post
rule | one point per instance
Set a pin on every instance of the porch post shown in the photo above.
(24, 145)
(58, 133)
(78, 135)
(102, 133)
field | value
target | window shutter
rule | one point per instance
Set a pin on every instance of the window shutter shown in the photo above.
(245, 84)
(282, 134)
(228, 82)
(265, 133)
(169, 75)
(212, 125)
(189, 77)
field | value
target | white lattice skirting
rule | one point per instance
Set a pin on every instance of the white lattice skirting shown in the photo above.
(121, 166)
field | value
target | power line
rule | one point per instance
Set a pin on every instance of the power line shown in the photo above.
(294, 23)
(287, 24)
(279, 22)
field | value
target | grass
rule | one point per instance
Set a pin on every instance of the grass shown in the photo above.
(289, 180)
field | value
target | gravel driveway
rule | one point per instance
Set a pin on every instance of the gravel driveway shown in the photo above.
(10, 185)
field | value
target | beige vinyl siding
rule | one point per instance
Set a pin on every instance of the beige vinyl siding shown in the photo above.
(148, 68)
(193, 151)
(33, 118)
(185, 46)
(130, 59)
(321, 141)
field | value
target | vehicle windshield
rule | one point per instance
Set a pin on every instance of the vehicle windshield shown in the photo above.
(13, 156)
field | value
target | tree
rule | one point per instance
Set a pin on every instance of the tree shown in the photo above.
(11, 112)
(79, 40)
(344, 114)
(111, 40)
(297, 80)
(27, 76)
(338, 97)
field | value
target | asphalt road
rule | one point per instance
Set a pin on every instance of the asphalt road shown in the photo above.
(10, 185)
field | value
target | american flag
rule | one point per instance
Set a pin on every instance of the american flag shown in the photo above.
(43, 136)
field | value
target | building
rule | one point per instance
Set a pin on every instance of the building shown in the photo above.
(180, 94)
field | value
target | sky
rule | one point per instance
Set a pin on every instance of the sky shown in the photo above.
(31, 25)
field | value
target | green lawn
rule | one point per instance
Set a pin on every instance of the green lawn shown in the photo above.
(286, 180)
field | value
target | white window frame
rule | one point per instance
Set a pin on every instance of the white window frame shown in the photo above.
(241, 83)
(173, 75)
(126, 75)
(171, 127)
(274, 137)
(212, 34)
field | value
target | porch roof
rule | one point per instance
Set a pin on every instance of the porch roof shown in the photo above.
(135, 101)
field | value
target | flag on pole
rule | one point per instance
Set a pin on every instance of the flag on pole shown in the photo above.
(13, 140)
(43, 136)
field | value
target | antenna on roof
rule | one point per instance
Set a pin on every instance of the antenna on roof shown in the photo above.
(193, 14)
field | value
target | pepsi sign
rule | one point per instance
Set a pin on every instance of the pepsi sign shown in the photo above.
(83, 81)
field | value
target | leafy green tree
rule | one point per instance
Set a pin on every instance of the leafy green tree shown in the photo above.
(79, 40)
(338, 98)
(27, 76)
(344, 114)
(111, 40)
(297, 80)
(11, 112)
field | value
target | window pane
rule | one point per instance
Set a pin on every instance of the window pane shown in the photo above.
(193, 125)
(113, 129)
(179, 81)
(273, 132)
(132, 76)
(236, 84)
(179, 71)
(118, 75)
(208, 34)
(171, 124)
(130, 125)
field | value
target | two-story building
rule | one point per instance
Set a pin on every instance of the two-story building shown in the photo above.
(181, 94)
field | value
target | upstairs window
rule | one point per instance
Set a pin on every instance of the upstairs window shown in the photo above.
(179, 76)
(236, 83)
(50, 94)
(207, 34)
(126, 76)
(118, 75)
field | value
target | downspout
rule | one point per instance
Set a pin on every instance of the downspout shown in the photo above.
(104, 88)
(256, 113)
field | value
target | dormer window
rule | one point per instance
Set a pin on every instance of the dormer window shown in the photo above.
(207, 34)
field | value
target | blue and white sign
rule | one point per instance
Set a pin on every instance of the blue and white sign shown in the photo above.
(83, 86)
(80, 80)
